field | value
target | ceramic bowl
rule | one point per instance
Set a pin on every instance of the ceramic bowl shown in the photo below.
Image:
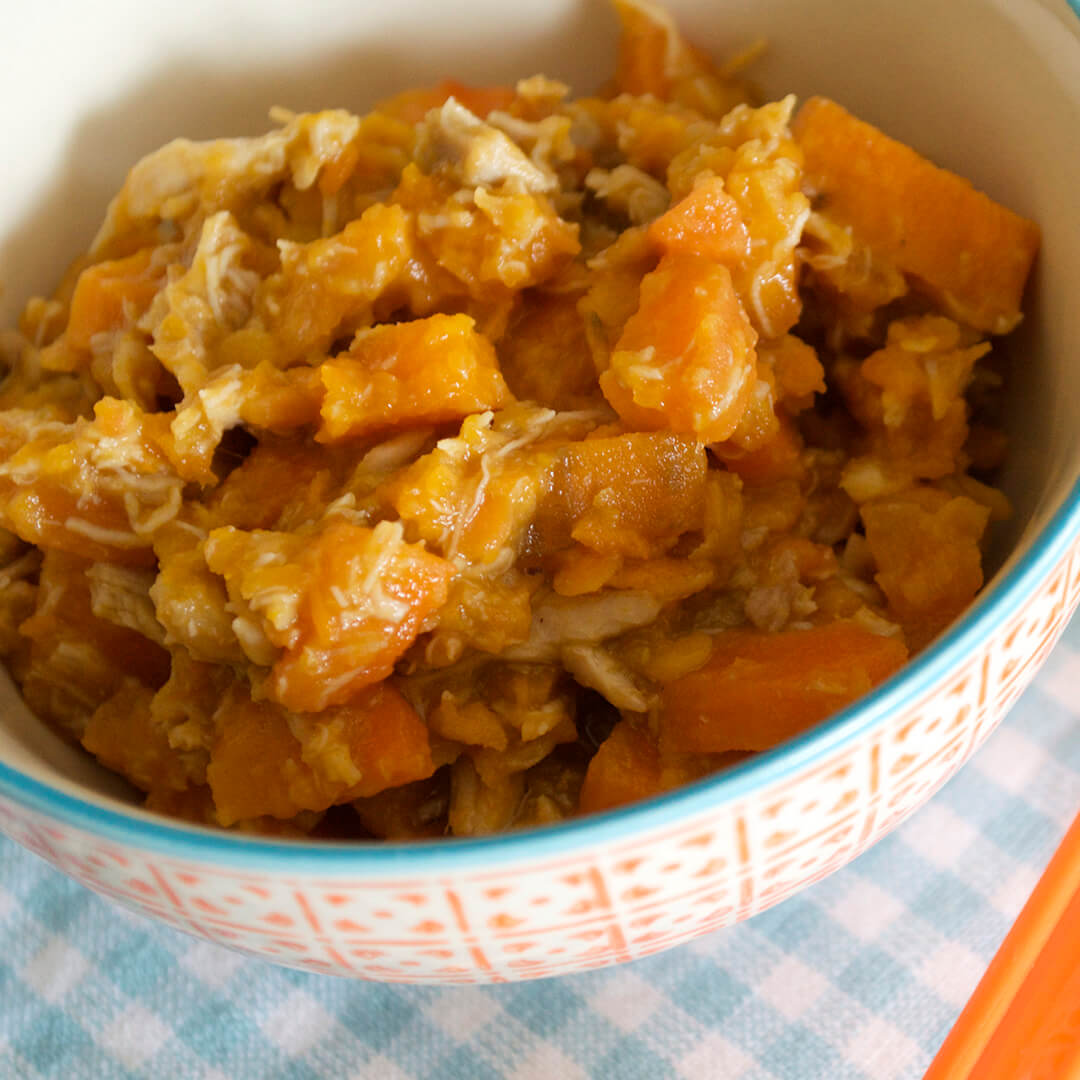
(987, 87)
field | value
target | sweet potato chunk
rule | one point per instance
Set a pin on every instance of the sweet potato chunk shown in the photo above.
(970, 253)
(654, 58)
(424, 372)
(270, 762)
(778, 458)
(926, 546)
(756, 690)
(329, 286)
(685, 361)
(624, 769)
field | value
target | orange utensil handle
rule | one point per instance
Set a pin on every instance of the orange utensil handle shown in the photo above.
(1023, 1021)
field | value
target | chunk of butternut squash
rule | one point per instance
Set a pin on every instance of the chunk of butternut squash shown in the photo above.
(624, 495)
(706, 222)
(971, 254)
(624, 769)
(756, 690)
(267, 761)
(925, 543)
(427, 371)
(685, 361)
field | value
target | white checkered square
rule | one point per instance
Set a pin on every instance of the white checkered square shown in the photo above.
(792, 988)
(547, 1062)
(55, 970)
(1011, 760)
(1061, 680)
(883, 1051)
(462, 1013)
(7, 904)
(716, 1056)
(1013, 892)
(939, 835)
(382, 1068)
(866, 910)
(134, 1036)
(211, 964)
(952, 971)
(297, 1024)
(628, 1001)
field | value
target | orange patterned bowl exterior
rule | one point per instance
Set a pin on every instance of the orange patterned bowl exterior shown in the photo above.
(613, 887)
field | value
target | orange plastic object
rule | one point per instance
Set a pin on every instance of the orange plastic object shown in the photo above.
(1023, 1021)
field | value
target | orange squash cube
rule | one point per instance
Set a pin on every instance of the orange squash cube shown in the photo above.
(705, 222)
(343, 603)
(109, 295)
(624, 495)
(428, 371)
(266, 762)
(685, 361)
(624, 769)
(756, 690)
(971, 254)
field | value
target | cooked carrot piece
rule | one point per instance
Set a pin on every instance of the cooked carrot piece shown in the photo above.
(423, 372)
(705, 222)
(266, 762)
(758, 689)
(625, 768)
(109, 295)
(970, 253)
(685, 360)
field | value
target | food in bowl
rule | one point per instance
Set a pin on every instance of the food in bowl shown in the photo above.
(498, 456)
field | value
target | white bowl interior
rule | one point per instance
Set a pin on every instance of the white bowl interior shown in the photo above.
(989, 88)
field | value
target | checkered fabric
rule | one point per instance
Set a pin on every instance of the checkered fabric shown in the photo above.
(858, 978)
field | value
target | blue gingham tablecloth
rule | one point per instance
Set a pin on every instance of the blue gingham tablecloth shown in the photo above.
(858, 978)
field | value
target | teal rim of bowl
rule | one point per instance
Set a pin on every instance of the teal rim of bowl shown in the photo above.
(380, 858)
